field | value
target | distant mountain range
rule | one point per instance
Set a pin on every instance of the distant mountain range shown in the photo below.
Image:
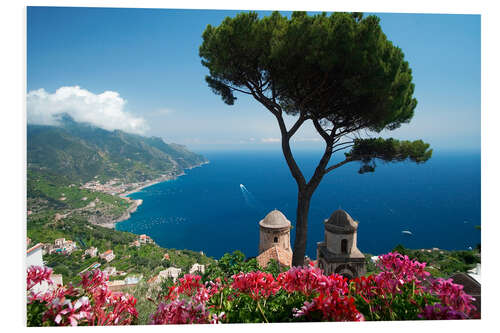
(80, 152)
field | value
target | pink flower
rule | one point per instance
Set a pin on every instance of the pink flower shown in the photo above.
(452, 295)
(37, 274)
(308, 280)
(256, 284)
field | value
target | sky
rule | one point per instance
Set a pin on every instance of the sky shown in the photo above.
(138, 70)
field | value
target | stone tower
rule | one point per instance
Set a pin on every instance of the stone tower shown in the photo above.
(338, 253)
(274, 231)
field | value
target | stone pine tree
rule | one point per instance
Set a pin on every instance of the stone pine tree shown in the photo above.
(339, 72)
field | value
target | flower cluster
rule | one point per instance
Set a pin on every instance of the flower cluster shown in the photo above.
(36, 275)
(181, 311)
(333, 307)
(452, 295)
(401, 283)
(256, 284)
(309, 280)
(397, 270)
(91, 304)
(187, 303)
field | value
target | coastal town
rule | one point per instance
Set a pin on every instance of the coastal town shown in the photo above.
(119, 280)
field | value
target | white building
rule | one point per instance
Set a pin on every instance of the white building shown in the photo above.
(34, 256)
(110, 270)
(171, 272)
(197, 268)
(108, 255)
(92, 252)
(59, 242)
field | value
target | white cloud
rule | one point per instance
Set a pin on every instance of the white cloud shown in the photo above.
(270, 140)
(105, 110)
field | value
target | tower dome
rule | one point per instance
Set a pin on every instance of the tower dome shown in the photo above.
(340, 220)
(274, 233)
(275, 220)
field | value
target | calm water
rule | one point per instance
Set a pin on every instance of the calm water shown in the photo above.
(207, 210)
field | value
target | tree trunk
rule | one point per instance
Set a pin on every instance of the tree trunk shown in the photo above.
(299, 246)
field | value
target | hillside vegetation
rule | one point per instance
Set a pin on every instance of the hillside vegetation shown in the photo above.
(77, 152)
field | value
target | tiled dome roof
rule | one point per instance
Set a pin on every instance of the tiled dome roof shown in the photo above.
(340, 219)
(275, 219)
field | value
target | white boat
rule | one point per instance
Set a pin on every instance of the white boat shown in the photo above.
(407, 232)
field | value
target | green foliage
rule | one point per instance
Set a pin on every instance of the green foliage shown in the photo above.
(339, 67)
(34, 314)
(405, 305)
(233, 263)
(146, 302)
(244, 309)
(388, 150)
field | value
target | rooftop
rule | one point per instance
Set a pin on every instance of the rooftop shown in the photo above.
(275, 219)
(340, 219)
(283, 257)
(37, 246)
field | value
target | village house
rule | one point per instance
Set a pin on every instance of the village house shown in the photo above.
(118, 285)
(92, 252)
(171, 272)
(135, 243)
(197, 268)
(145, 239)
(108, 255)
(110, 270)
(68, 247)
(48, 248)
(59, 242)
(166, 256)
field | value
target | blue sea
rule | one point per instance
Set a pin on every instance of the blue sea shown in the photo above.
(207, 210)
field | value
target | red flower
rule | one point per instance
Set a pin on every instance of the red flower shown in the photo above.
(256, 284)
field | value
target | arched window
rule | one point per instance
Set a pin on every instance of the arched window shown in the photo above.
(276, 239)
(343, 246)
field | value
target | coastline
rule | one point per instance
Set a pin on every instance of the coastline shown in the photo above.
(160, 180)
(137, 202)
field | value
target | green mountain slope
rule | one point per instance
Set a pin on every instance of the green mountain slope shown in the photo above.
(79, 152)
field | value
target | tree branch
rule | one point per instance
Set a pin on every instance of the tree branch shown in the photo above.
(297, 125)
(287, 152)
(321, 131)
(239, 90)
(335, 166)
(336, 150)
